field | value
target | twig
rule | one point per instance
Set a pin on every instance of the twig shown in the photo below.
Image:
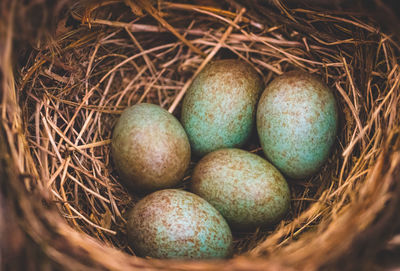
(153, 12)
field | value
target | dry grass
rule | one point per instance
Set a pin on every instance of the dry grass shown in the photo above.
(73, 89)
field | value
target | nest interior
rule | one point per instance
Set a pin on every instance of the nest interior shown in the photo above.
(59, 112)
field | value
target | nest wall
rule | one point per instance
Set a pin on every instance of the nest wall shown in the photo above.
(59, 107)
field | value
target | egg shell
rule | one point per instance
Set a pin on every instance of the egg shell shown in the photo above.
(218, 110)
(297, 120)
(176, 224)
(150, 148)
(246, 189)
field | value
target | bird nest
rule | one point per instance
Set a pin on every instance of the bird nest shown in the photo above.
(59, 108)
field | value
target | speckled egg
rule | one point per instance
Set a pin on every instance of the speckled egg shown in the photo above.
(150, 148)
(297, 120)
(219, 107)
(178, 224)
(246, 189)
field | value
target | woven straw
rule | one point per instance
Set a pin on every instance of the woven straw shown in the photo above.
(62, 204)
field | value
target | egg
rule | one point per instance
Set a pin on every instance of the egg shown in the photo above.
(297, 120)
(218, 109)
(150, 148)
(176, 224)
(247, 190)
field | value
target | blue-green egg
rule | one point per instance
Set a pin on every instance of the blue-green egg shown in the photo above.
(297, 120)
(246, 189)
(150, 148)
(218, 110)
(176, 224)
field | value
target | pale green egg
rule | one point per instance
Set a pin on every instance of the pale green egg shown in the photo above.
(245, 188)
(297, 120)
(219, 108)
(176, 224)
(150, 148)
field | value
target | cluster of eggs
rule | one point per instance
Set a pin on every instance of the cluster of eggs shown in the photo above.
(296, 119)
